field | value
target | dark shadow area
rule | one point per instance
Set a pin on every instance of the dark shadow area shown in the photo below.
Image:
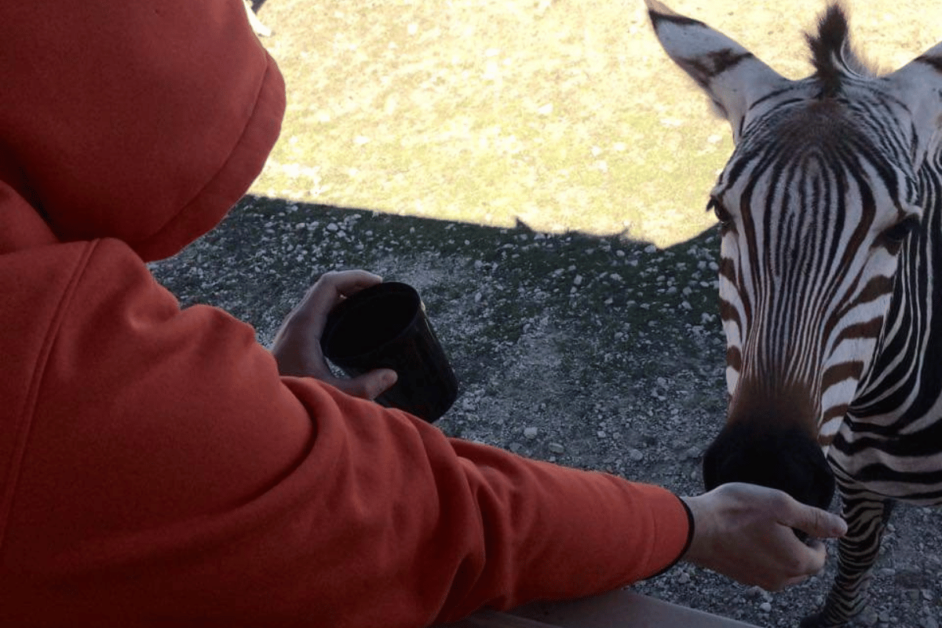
(501, 281)
(574, 334)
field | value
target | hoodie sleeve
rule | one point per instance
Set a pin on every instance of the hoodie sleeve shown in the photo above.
(170, 477)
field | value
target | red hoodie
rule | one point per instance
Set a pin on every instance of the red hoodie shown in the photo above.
(155, 470)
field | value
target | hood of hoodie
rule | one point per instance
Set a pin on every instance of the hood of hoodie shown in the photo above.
(142, 121)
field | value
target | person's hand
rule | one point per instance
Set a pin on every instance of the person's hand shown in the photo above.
(744, 531)
(297, 345)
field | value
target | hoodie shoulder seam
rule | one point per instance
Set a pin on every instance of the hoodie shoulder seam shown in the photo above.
(26, 414)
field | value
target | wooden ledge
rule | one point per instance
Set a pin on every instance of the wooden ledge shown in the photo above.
(619, 609)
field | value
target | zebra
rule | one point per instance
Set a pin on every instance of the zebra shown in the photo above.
(830, 212)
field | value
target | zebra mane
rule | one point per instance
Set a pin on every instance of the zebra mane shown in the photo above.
(831, 52)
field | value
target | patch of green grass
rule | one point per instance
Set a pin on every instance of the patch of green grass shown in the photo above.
(565, 115)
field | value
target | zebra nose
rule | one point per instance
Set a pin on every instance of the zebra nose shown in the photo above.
(783, 458)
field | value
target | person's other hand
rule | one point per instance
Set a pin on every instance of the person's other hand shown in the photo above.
(297, 345)
(744, 531)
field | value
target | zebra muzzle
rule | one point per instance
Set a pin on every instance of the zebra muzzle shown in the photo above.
(787, 459)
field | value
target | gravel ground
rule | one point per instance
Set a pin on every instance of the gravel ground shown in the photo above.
(594, 352)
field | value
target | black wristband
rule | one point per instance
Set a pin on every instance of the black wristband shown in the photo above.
(690, 531)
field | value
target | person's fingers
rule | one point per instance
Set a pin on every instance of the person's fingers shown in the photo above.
(296, 345)
(329, 290)
(814, 556)
(746, 532)
(347, 282)
(801, 563)
(816, 522)
(369, 385)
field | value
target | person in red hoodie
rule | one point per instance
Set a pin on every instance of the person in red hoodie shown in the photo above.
(158, 467)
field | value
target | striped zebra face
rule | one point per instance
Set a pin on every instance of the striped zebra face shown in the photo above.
(815, 206)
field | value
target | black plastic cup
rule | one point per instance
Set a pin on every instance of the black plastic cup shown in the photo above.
(385, 326)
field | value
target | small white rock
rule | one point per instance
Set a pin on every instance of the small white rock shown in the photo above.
(868, 617)
(754, 592)
(765, 607)
(531, 432)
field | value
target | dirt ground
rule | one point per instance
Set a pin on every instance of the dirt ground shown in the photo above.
(537, 169)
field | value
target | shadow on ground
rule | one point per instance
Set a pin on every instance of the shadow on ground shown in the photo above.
(596, 315)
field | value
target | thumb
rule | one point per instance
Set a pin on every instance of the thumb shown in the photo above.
(369, 385)
(816, 522)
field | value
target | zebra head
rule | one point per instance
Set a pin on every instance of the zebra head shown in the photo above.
(818, 199)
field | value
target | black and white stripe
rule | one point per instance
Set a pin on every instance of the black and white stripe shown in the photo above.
(830, 280)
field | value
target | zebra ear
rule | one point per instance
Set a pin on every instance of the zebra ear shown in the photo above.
(731, 75)
(918, 84)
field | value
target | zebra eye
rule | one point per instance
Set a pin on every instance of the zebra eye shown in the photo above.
(898, 232)
(722, 214)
